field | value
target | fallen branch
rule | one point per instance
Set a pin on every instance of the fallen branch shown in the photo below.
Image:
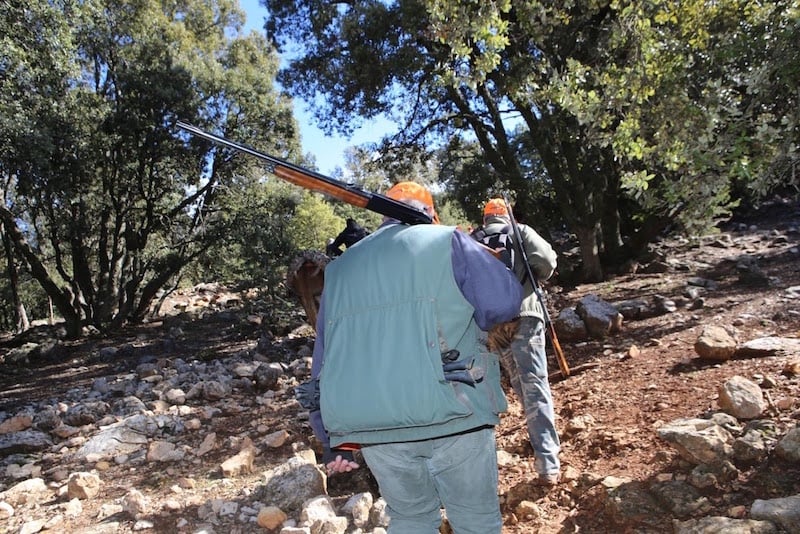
(558, 376)
(772, 406)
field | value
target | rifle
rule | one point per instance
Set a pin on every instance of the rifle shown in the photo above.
(320, 183)
(551, 329)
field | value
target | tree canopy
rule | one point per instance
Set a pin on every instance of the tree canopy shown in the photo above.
(612, 119)
(104, 200)
(628, 116)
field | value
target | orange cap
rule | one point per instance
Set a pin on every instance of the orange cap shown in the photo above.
(403, 191)
(497, 207)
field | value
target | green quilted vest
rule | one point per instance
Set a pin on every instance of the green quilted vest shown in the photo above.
(391, 308)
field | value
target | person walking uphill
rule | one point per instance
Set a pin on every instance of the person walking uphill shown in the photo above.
(402, 372)
(525, 361)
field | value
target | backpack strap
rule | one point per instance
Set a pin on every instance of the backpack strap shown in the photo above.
(478, 234)
(508, 230)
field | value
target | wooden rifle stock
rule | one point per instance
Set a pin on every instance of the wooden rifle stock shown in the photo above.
(551, 330)
(314, 181)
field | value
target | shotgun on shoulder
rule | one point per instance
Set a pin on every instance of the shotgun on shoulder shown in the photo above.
(320, 183)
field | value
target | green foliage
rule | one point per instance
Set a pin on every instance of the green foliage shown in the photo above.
(477, 33)
(30, 294)
(105, 200)
(451, 214)
(618, 108)
(255, 246)
(314, 222)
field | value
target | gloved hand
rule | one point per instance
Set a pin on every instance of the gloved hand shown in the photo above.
(307, 394)
(462, 370)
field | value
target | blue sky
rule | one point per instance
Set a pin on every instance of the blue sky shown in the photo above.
(328, 151)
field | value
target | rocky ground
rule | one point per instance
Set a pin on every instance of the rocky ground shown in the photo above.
(189, 423)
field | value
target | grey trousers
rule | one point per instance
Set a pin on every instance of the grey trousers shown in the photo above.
(525, 363)
(418, 478)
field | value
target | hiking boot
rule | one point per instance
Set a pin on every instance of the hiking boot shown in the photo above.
(547, 479)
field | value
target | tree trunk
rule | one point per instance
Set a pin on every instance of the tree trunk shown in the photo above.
(21, 322)
(579, 186)
(62, 298)
(592, 268)
(611, 228)
(611, 219)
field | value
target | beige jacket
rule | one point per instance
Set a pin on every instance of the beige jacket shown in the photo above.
(541, 257)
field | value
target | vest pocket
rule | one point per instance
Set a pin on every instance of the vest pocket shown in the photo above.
(497, 398)
(413, 394)
(390, 377)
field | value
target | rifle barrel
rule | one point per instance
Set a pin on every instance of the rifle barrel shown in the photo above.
(320, 183)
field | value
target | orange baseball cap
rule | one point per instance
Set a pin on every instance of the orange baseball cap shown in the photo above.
(496, 207)
(403, 191)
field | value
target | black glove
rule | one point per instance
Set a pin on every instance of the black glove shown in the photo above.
(462, 370)
(307, 394)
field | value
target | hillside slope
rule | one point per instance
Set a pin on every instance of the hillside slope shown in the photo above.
(217, 372)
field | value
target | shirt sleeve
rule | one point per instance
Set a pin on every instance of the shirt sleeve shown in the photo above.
(318, 354)
(317, 359)
(541, 256)
(485, 282)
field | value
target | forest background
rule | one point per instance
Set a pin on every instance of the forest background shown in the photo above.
(610, 123)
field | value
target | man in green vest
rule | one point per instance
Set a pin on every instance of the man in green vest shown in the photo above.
(403, 373)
